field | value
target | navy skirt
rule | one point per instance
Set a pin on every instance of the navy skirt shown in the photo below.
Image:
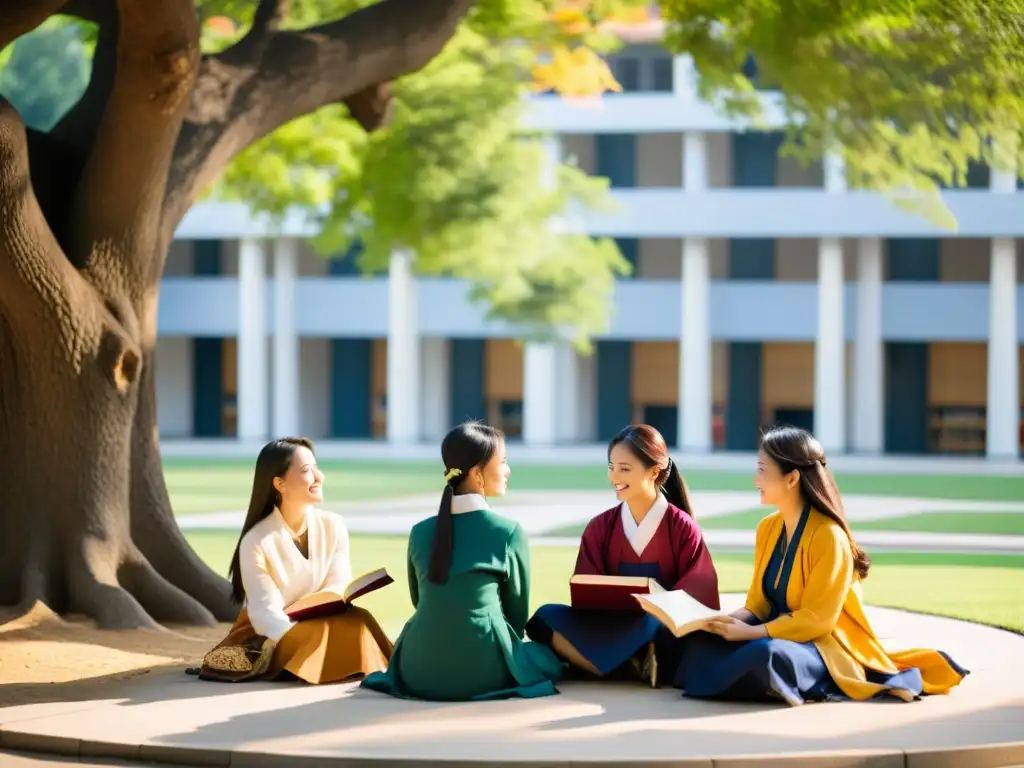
(606, 639)
(767, 669)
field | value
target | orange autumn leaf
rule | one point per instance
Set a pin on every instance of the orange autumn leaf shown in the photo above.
(572, 22)
(221, 25)
(574, 73)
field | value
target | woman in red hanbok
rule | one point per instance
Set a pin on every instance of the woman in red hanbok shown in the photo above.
(650, 533)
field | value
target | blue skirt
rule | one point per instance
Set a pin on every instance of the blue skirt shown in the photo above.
(767, 669)
(606, 639)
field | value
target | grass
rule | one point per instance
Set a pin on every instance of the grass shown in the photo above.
(1002, 523)
(982, 588)
(198, 486)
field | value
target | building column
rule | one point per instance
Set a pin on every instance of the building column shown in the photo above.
(830, 343)
(541, 419)
(403, 376)
(1002, 430)
(869, 352)
(435, 401)
(1002, 436)
(830, 349)
(540, 393)
(285, 404)
(568, 389)
(684, 78)
(252, 342)
(694, 411)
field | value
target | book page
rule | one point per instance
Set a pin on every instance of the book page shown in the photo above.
(679, 606)
(361, 582)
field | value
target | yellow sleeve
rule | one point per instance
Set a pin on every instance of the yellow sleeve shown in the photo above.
(828, 582)
(756, 602)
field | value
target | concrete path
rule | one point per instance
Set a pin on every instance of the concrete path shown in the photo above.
(542, 513)
(37, 760)
(563, 455)
(170, 717)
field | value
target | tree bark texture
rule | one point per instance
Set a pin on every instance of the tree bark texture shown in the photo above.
(86, 217)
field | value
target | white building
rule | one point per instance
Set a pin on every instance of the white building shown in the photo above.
(762, 291)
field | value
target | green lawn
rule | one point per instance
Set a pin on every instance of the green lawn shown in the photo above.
(1003, 523)
(976, 587)
(215, 485)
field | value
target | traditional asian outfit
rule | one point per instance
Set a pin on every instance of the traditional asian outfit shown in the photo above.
(277, 569)
(820, 645)
(465, 639)
(667, 546)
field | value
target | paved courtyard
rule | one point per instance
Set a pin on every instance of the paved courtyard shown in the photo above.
(170, 717)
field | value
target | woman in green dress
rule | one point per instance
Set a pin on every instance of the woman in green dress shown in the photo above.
(469, 579)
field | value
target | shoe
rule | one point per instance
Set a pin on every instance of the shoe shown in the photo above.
(650, 667)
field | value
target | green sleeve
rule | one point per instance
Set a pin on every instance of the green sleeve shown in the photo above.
(414, 584)
(515, 595)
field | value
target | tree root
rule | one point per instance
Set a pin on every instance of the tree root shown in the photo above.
(153, 528)
(110, 605)
(172, 557)
(161, 599)
(138, 598)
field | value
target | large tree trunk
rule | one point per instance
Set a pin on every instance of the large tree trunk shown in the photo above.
(67, 522)
(86, 525)
(78, 286)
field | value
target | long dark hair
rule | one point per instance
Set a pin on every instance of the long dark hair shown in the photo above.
(795, 449)
(471, 444)
(651, 450)
(273, 461)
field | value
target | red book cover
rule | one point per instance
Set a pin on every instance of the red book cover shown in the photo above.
(327, 603)
(610, 593)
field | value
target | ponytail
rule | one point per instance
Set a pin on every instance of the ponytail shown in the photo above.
(470, 444)
(675, 490)
(441, 554)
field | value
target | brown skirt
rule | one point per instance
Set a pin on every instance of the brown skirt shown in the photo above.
(325, 650)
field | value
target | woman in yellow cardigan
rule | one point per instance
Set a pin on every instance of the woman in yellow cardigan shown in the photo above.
(803, 635)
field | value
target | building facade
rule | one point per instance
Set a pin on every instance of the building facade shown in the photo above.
(762, 291)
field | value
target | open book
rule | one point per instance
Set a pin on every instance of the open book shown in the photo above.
(327, 603)
(678, 611)
(610, 593)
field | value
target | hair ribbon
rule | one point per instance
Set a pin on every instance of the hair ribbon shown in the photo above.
(451, 473)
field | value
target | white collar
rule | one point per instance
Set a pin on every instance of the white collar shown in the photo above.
(639, 536)
(284, 525)
(468, 502)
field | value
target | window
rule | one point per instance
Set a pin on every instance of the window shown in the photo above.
(662, 75)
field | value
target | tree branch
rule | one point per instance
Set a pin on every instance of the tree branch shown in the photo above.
(239, 99)
(99, 12)
(115, 218)
(19, 17)
(78, 126)
(68, 144)
(269, 15)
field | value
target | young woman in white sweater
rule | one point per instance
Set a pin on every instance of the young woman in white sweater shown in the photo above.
(288, 549)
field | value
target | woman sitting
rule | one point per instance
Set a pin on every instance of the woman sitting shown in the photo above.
(803, 634)
(651, 533)
(287, 550)
(469, 580)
